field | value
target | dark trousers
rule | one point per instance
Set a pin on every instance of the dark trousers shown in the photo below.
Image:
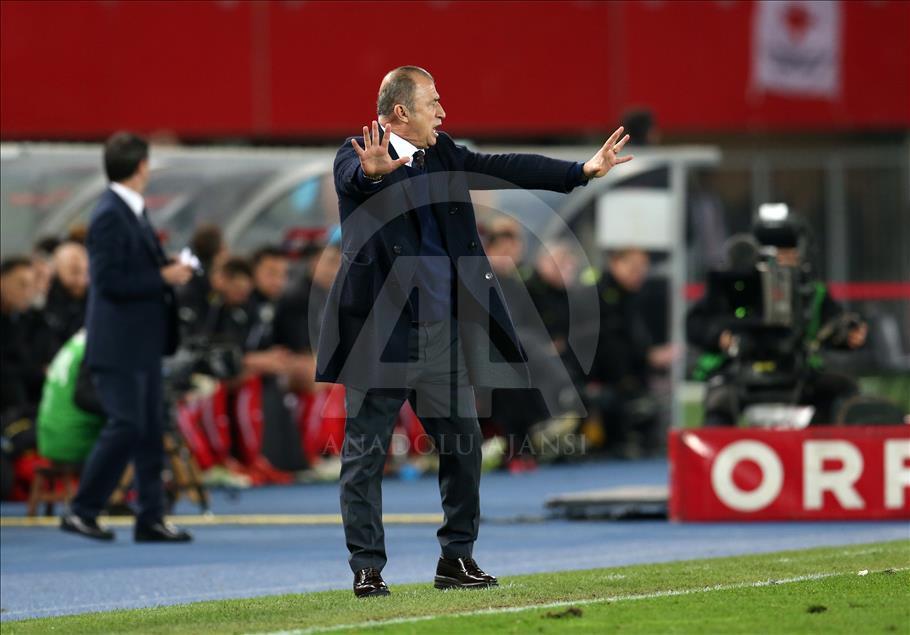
(441, 396)
(133, 403)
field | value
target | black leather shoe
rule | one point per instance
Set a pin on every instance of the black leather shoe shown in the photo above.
(87, 527)
(368, 583)
(461, 573)
(161, 532)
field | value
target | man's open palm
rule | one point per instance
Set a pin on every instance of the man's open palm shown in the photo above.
(374, 155)
(607, 156)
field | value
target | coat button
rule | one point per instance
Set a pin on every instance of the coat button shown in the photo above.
(488, 275)
(396, 249)
(453, 209)
(472, 245)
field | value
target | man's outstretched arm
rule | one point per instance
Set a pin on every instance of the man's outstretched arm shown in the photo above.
(534, 171)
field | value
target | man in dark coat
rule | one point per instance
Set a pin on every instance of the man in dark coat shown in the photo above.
(131, 322)
(417, 313)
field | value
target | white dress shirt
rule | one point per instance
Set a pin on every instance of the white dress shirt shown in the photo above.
(132, 198)
(403, 147)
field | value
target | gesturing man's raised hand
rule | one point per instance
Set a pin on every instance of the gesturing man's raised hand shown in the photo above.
(374, 155)
(607, 156)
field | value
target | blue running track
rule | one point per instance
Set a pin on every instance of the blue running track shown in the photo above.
(45, 572)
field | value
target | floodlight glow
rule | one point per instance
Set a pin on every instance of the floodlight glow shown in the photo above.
(773, 212)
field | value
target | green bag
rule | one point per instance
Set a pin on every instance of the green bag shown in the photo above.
(66, 432)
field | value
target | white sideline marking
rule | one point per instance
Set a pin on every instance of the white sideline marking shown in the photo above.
(550, 605)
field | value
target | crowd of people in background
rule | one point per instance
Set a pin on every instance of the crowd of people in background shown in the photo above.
(264, 420)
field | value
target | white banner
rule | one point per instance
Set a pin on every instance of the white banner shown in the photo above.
(635, 217)
(796, 48)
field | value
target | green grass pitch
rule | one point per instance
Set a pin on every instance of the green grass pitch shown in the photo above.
(854, 589)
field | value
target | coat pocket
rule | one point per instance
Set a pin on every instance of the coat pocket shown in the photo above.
(357, 273)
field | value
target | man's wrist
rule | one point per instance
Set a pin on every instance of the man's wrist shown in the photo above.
(365, 181)
(577, 176)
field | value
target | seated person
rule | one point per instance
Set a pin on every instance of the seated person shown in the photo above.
(64, 310)
(278, 341)
(626, 357)
(21, 371)
(278, 351)
(207, 244)
(223, 316)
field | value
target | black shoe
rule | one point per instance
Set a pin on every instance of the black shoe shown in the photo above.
(87, 527)
(160, 532)
(461, 573)
(368, 583)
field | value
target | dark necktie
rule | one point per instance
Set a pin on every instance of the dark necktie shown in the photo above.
(418, 160)
(151, 234)
(144, 220)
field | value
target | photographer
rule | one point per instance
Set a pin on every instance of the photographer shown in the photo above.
(750, 358)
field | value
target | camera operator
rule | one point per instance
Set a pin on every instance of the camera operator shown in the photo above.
(740, 354)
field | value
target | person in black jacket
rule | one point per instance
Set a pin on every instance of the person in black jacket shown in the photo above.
(21, 371)
(224, 317)
(417, 313)
(626, 356)
(207, 244)
(64, 310)
(278, 350)
(131, 324)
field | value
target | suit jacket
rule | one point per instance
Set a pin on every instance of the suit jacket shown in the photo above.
(363, 340)
(131, 319)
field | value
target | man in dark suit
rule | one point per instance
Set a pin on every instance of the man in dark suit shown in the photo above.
(131, 322)
(417, 313)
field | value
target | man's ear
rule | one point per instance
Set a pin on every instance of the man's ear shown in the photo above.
(401, 112)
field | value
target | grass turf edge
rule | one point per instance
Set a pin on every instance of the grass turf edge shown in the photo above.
(337, 608)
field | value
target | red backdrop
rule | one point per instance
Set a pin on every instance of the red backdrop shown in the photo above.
(311, 69)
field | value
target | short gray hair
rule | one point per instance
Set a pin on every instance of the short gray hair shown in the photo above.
(398, 88)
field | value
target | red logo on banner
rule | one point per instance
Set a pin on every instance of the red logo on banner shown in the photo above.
(817, 473)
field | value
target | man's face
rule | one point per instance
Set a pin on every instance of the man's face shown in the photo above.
(236, 290)
(558, 266)
(425, 116)
(17, 289)
(271, 276)
(630, 269)
(72, 271)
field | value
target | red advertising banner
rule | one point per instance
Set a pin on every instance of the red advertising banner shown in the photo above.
(824, 473)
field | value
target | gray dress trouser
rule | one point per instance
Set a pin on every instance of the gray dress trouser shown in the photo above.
(439, 391)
